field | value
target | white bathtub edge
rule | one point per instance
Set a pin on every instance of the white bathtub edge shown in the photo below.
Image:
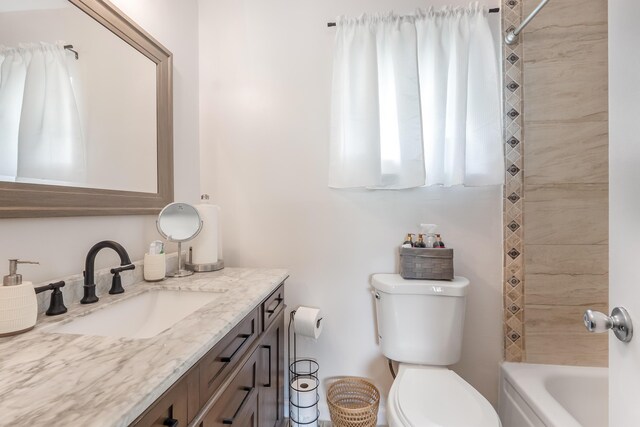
(528, 381)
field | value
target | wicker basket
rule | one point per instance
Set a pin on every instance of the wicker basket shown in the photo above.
(426, 263)
(353, 402)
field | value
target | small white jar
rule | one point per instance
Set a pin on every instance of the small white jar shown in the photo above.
(155, 267)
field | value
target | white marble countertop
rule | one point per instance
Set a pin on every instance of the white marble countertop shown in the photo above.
(51, 379)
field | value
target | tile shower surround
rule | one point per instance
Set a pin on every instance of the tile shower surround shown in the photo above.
(555, 262)
(566, 181)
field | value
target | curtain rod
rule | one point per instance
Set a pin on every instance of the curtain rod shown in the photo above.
(69, 47)
(493, 10)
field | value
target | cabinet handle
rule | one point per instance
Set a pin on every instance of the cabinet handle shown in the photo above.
(171, 422)
(277, 301)
(245, 338)
(249, 391)
(268, 347)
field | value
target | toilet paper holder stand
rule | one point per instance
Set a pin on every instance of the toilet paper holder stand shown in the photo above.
(303, 400)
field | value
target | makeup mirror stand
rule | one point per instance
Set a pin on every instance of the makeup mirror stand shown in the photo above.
(181, 272)
(178, 223)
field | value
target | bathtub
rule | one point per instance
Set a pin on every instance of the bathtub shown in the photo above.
(553, 396)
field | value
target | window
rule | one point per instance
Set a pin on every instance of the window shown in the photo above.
(416, 101)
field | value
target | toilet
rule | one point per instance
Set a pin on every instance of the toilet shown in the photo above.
(420, 325)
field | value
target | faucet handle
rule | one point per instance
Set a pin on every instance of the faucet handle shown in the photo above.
(116, 282)
(56, 306)
(118, 270)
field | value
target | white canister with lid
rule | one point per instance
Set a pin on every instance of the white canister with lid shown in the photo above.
(155, 263)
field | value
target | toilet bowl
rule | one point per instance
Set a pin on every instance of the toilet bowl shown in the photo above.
(420, 324)
(428, 396)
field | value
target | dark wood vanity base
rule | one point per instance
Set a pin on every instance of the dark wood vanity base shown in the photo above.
(240, 381)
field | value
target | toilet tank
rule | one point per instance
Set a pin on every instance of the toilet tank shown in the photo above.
(420, 321)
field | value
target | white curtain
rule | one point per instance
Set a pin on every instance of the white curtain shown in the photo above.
(416, 101)
(41, 134)
(376, 134)
(12, 73)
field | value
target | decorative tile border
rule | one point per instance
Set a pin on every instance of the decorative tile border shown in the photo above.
(513, 271)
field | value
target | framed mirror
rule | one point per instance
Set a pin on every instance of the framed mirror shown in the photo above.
(86, 121)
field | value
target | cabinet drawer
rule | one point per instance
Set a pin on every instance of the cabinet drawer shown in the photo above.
(169, 410)
(238, 406)
(272, 306)
(216, 365)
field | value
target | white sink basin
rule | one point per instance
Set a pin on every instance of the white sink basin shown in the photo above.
(141, 316)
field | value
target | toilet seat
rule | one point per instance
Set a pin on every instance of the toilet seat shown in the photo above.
(430, 396)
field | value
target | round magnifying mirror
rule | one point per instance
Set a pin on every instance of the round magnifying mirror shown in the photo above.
(179, 222)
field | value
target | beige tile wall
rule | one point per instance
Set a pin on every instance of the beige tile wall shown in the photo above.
(565, 167)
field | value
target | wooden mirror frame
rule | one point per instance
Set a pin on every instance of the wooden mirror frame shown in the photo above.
(21, 200)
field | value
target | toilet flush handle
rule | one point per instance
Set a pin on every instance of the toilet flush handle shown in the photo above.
(619, 322)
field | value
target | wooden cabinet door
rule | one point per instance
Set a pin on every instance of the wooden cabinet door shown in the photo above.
(238, 406)
(272, 374)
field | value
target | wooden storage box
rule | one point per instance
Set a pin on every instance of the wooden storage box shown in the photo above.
(426, 263)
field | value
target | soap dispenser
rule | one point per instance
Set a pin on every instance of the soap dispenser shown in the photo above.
(18, 303)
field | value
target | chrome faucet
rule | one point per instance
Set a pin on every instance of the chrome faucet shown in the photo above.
(89, 285)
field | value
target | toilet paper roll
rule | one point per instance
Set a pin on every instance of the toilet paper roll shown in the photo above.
(304, 398)
(308, 322)
(205, 245)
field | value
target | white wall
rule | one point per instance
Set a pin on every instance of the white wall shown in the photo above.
(61, 244)
(624, 204)
(265, 78)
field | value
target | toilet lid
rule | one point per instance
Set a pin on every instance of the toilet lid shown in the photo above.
(438, 397)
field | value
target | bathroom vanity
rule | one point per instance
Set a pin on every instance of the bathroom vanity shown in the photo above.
(221, 364)
(239, 381)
